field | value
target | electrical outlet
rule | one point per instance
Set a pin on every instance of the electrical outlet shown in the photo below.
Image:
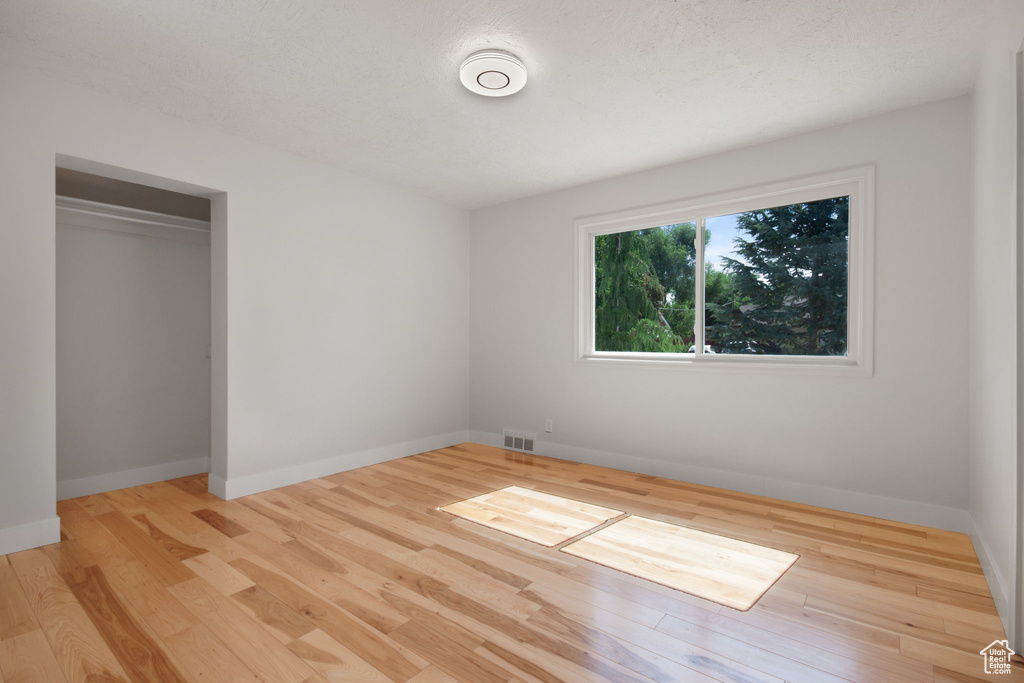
(549, 425)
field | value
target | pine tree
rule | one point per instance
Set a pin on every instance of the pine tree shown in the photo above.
(674, 261)
(793, 272)
(629, 295)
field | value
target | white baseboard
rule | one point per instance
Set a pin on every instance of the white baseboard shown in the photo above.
(908, 511)
(997, 584)
(86, 486)
(32, 535)
(235, 487)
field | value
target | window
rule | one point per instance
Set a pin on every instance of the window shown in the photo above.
(781, 277)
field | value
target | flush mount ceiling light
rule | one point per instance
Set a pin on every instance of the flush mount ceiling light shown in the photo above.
(493, 73)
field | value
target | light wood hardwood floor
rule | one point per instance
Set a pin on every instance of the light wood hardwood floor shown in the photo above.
(358, 577)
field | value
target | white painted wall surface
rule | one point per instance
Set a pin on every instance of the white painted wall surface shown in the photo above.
(343, 324)
(994, 412)
(133, 378)
(894, 444)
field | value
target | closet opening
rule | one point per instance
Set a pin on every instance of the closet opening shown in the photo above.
(133, 326)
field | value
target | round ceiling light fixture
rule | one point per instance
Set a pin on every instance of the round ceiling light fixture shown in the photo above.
(493, 73)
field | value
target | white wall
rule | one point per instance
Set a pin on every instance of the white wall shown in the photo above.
(133, 377)
(894, 444)
(340, 304)
(994, 415)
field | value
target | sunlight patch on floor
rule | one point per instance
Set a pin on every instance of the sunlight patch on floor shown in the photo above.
(538, 517)
(728, 571)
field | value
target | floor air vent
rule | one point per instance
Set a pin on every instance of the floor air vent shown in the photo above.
(518, 441)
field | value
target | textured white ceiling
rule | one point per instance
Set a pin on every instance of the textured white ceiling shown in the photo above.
(615, 85)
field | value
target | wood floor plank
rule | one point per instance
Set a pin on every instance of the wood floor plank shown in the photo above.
(284, 623)
(71, 554)
(862, 572)
(93, 538)
(435, 643)
(176, 546)
(194, 486)
(568, 649)
(898, 619)
(911, 564)
(16, 615)
(968, 663)
(218, 573)
(165, 491)
(433, 675)
(223, 524)
(129, 502)
(205, 658)
(94, 505)
(471, 582)
(298, 500)
(379, 563)
(138, 651)
(758, 658)
(350, 587)
(27, 658)
(527, 558)
(944, 675)
(334, 661)
(327, 504)
(364, 495)
(783, 640)
(578, 600)
(827, 623)
(246, 638)
(810, 639)
(167, 515)
(370, 645)
(76, 643)
(462, 664)
(237, 511)
(966, 599)
(164, 614)
(823, 586)
(970, 631)
(650, 653)
(414, 605)
(164, 566)
(484, 567)
(275, 515)
(534, 664)
(643, 592)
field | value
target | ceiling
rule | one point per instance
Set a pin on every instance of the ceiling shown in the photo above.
(615, 86)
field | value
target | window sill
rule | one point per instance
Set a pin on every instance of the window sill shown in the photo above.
(813, 365)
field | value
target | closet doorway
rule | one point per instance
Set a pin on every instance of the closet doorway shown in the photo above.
(133, 334)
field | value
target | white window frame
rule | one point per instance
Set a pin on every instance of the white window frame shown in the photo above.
(857, 183)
